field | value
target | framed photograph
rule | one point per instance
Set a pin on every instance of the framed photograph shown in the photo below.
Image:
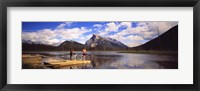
(92, 45)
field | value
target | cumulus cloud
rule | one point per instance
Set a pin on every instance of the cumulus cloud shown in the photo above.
(125, 24)
(121, 31)
(54, 37)
(112, 27)
(131, 40)
(143, 31)
(42, 36)
(71, 33)
(97, 25)
(155, 29)
(133, 44)
(135, 37)
(62, 25)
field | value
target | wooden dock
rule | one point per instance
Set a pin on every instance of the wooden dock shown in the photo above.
(35, 62)
(66, 63)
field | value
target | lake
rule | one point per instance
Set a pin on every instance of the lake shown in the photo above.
(115, 60)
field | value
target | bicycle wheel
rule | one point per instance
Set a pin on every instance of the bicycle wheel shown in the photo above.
(79, 57)
(87, 57)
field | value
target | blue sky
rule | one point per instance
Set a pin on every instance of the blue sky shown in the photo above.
(130, 33)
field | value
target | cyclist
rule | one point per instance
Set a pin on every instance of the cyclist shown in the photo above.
(84, 53)
(71, 53)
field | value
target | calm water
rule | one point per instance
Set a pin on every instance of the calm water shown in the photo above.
(114, 60)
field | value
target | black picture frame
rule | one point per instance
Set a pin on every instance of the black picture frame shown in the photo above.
(100, 3)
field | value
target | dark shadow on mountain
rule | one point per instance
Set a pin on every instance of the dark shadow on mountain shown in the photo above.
(68, 45)
(167, 41)
(37, 47)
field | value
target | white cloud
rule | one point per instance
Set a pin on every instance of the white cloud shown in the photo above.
(126, 24)
(117, 37)
(112, 27)
(162, 26)
(71, 33)
(50, 37)
(131, 40)
(97, 25)
(39, 36)
(61, 26)
(147, 30)
(133, 44)
(55, 42)
(143, 30)
(153, 29)
(125, 32)
(82, 39)
(134, 37)
(148, 35)
(102, 33)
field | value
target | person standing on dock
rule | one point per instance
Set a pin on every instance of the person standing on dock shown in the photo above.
(84, 53)
(71, 53)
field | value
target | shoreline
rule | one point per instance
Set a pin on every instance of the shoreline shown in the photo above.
(30, 61)
(36, 61)
(151, 52)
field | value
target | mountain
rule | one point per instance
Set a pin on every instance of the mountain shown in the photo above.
(30, 46)
(167, 41)
(67, 45)
(97, 42)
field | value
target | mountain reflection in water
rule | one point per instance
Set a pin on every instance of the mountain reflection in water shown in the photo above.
(115, 60)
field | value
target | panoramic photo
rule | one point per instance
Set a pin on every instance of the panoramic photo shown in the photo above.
(100, 45)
